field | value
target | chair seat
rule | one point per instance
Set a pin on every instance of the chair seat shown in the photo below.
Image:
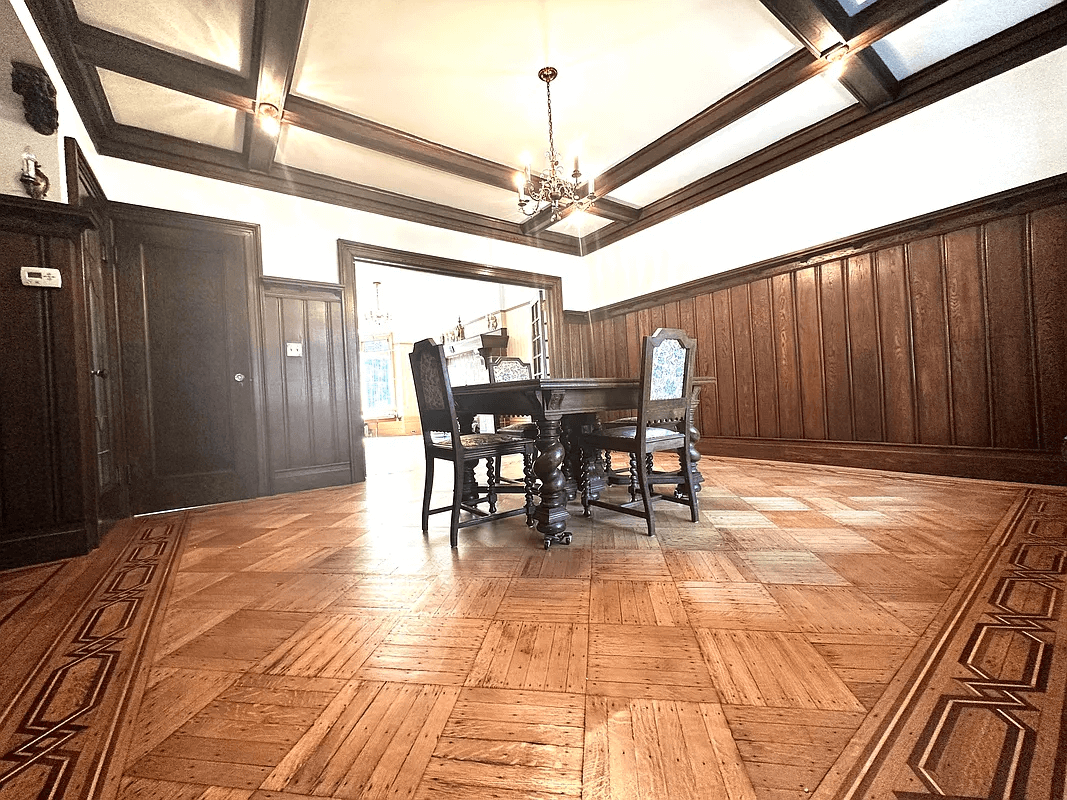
(524, 430)
(474, 443)
(615, 423)
(623, 438)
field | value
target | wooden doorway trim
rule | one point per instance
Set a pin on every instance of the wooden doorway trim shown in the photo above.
(350, 252)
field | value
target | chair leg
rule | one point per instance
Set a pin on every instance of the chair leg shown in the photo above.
(646, 492)
(633, 476)
(491, 466)
(694, 503)
(583, 483)
(457, 498)
(528, 481)
(426, 494)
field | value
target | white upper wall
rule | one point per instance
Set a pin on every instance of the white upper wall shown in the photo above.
(1006, 132)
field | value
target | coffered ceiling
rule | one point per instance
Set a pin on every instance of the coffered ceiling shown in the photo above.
(423, 109)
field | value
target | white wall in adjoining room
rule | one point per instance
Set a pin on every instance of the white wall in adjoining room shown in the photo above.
(1005, 132)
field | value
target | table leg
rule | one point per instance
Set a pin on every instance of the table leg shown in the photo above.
(551, 514)
(470, 484)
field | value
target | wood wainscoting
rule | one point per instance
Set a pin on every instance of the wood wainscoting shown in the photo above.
(936, 345)
(308, 405)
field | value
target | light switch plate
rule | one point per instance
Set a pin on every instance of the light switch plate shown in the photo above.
(294, 348)
(41, 276)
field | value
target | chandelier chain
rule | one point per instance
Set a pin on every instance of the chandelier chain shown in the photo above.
(552, 188)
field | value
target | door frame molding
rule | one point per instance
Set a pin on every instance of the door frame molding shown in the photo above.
(249, 232)
(348, 253)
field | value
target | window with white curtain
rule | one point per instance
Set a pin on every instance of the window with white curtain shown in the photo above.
(377, 377)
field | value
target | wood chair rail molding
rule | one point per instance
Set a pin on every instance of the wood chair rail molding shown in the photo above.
(1033, 196)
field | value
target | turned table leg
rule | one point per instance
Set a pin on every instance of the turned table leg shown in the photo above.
(551, 514)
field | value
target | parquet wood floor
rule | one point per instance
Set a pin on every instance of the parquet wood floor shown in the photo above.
(319, 645)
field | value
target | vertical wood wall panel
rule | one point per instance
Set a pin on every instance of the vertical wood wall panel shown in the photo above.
(1048, 234)
(813, 401)
(949, 336)
(724, 363)
(965, 297)
(307, 395)
(744, 385)
(706, 365)
(929, 333)
(894, 322)
(864, 363)
(835, 352)
(763, 359)
(1014, 410)
(785, 356)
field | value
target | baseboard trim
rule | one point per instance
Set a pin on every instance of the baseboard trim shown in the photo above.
(961, 462)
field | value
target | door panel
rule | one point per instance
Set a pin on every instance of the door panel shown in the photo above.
(187, 364)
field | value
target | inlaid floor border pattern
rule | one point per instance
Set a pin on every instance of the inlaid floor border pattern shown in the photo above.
(981, 714)
(60, 729)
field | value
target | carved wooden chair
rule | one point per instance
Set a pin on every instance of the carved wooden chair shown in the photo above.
(662, 423)
(511, 368)
(437, 410)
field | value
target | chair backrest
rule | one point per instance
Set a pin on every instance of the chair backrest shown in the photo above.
(433, 390)
(666, 377)
(509, 368)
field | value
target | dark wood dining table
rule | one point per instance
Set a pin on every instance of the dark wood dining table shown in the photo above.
(562, 408)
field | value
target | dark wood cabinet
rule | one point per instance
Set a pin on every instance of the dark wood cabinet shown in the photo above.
(48, 497)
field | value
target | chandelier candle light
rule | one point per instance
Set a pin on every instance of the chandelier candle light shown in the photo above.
(552, 188)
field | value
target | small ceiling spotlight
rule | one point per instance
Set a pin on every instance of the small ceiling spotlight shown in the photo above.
(270, 117)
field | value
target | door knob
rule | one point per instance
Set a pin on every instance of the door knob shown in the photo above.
(239, 377)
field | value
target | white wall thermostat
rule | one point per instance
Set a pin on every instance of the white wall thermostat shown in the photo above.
(41, 276)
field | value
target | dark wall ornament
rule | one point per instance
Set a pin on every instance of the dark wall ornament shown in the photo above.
(38, 96)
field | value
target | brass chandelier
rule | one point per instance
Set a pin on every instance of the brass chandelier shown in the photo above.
(552, 188)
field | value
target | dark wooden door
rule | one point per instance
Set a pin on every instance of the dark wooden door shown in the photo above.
(187, 362)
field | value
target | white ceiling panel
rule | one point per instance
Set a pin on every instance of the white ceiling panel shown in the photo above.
(463, 73)
(318, 153)
(155, 108)
(788, 113)
(579, 224)
(207, 31)
(950, 28)
(852, 7)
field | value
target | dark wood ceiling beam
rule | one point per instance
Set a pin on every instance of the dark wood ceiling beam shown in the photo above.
(868, 79)
(56, 21)
(882, 18)
(817, 27)
(362, 132)
(276, 43)
(150, 64)
(822, 28)
(790, 72)
(168, 152)
(1030, 39)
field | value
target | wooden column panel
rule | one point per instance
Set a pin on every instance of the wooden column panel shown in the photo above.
(836, 376)
(785, 358)
(809, 343)
(930, 341)
(744, 376)
(1010, 330)
(724, 363)
(894, 323)
(1048, 243)
(865, 364)
(965, 303)
(763, 359)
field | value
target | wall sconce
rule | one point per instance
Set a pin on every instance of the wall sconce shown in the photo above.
(270, 118)
(34, 181)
